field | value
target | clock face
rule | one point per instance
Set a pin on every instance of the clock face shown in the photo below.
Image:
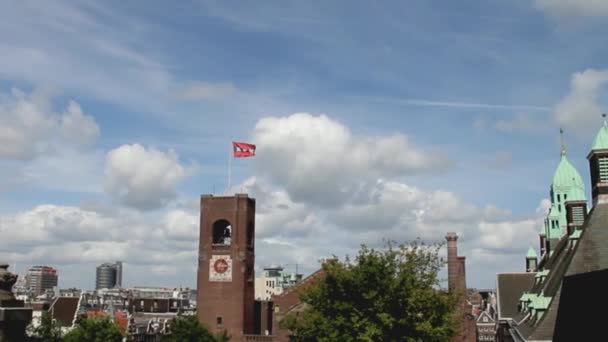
(220, 268)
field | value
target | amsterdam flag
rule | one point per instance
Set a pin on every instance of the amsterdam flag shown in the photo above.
(243, 150)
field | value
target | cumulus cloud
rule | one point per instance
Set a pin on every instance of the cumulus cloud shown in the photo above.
(64, 236)
(580, 110)
(386, 210)
(317, 158)
(30, 128)
(573, 8)
(143, 178)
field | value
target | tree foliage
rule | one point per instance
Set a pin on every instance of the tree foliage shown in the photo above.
(94, 329)
(382, 295)
(189, 329)
(48, 330)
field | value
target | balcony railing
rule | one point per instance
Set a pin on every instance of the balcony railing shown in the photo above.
(258, 338)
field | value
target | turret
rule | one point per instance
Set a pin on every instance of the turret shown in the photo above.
(598, 165)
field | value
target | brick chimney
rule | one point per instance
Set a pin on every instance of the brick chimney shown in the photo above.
(453, 262)
(461, 281)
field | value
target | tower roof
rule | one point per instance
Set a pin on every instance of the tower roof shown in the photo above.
(566, 177)
(531, 253)
(601, 139)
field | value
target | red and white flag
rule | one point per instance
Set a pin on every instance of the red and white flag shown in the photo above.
(243, 150)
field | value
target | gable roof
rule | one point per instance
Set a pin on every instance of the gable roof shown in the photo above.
(486, 315)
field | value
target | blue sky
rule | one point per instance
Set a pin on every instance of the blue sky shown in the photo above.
(428, 116)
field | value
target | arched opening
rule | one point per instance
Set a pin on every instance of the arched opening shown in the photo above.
(222, 233)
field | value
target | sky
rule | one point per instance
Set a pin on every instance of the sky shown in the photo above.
(373, 121)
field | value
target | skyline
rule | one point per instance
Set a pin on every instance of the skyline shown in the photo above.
(398, 121)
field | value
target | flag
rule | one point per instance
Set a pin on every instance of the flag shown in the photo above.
(242, 150)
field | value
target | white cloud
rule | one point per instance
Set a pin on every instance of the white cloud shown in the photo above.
(181, 225)
(30, 128)
(78, 127)
(317, 158)
(573, 8)
(580, 110)
(78, 239)
(386, 210)
(143, 178)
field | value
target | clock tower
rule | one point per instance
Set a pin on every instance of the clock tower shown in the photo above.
(225, 279)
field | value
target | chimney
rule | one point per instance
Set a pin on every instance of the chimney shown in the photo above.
(462, 276)
(453, 263)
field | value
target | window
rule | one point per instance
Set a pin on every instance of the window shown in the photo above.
(559, 208)
(219, 320)
(222, 233)
(558, 199)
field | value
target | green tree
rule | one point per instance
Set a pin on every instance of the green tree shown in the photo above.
(94, 329)
(382, 295)
(189, 329)
(48, 330)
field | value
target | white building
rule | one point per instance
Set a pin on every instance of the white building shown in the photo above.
(274, 281)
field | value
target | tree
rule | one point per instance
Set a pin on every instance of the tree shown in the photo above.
(383, 295)
(189, 329)
(48, 330)
(94, 329)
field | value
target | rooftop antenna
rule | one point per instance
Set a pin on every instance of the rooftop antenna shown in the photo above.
(563, 146)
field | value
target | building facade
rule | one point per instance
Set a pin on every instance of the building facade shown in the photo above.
(108, 276)
(274, 281)
(40, 278)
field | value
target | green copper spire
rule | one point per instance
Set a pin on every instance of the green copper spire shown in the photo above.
(531, 253)
(601, 139)
(566, 177)
(567, 186)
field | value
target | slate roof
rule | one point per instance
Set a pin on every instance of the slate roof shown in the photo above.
(509, 288)
(589, 254)
(592, 250)
(64, 310)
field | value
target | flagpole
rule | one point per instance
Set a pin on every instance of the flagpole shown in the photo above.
(229, 169)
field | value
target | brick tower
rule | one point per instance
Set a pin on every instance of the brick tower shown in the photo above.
(453, 262)
(225, 279)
